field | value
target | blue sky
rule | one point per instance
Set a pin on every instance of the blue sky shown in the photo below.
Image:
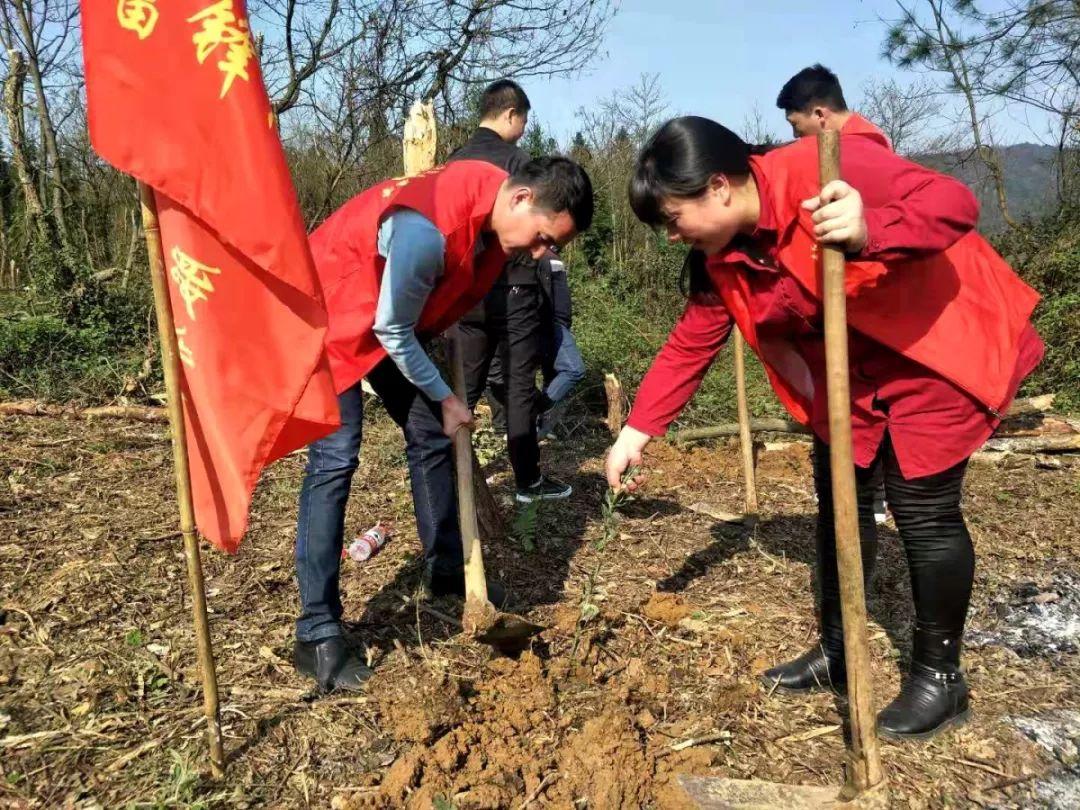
(718, 57)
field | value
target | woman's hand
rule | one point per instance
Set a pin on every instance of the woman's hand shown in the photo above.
(838, 216)
(626, 453)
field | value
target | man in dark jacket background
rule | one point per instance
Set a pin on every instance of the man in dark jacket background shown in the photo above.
(509, 323)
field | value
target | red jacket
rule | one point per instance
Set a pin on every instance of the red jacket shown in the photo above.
(960, 312)
(936, 294)
(857, 125)
(457, 198)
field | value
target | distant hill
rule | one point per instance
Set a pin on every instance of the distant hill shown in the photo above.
(1030, 183)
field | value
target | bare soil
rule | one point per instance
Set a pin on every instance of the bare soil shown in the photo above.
(100, 701)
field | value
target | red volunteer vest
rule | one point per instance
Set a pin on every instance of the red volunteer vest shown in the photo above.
(457, 198)
(960, 313)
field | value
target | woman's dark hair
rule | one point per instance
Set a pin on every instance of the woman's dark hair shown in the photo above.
(677, 161)
(693, 278)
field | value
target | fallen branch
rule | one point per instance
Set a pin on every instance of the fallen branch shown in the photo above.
(29, 407)
(136, 412)
(720, 736)
(732, 429)
(121, 762)
(709, 510)
(547, 780)
(1035, 444)
(19, 740)
(1051, 435)
(806, 736)
(979, 766)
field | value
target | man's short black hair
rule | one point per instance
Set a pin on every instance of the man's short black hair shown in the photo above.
(500, 96)
(811, 87)
(558, 184)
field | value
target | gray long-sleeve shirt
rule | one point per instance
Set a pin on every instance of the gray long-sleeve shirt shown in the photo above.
(414, 250)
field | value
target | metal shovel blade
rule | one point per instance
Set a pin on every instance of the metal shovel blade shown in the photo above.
(509, 633)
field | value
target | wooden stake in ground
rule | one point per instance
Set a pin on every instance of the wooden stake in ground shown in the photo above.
(864, 759)
(614, 391)
(170, 361)
(746, 441)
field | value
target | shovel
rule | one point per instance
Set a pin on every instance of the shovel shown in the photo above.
(865, 783)
(504, 631)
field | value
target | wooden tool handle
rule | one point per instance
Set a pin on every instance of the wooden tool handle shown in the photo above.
(864, 769)
(475, 580)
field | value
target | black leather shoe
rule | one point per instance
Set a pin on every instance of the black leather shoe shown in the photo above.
(331, 663)
(436, 585)
(930, 701)
(812, 671)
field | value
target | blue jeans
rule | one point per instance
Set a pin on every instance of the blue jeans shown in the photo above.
(567, 368)
(331, 463)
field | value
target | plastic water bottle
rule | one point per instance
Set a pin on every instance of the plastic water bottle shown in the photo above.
(368, 544)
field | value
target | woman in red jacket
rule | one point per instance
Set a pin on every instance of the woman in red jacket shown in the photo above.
(939, 341)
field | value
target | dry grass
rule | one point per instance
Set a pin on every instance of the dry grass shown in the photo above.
(100, 702)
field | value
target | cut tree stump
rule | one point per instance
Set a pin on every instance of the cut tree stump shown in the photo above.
(615, 397)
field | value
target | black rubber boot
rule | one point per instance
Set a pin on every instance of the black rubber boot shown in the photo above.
(813, 671)
(934, 696)
(822, 667)
(331, 663)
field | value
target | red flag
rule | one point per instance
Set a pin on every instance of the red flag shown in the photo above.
(176, 99)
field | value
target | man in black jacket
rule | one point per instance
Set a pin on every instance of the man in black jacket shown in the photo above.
(560, 359)
(508, 323)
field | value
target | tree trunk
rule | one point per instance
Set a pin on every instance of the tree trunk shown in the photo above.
(53, 172)
(13, 111)
(954, 58)
(4, 258)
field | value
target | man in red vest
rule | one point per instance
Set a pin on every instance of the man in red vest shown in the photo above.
(812, 101)
(399, 264)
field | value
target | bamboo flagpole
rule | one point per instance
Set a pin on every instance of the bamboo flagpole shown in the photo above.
(170, 361)
(746, 441)
(864, 770)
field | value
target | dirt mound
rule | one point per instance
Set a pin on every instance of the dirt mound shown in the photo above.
(418, 711)
(606, 763)
(516, 734)
(668, 608)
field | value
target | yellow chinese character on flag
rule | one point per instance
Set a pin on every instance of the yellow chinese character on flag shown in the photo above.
(192, 279)
(186, 355)
(221, 26)
(139, 16)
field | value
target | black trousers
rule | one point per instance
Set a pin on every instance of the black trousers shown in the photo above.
(941, 559)
(507, 326)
